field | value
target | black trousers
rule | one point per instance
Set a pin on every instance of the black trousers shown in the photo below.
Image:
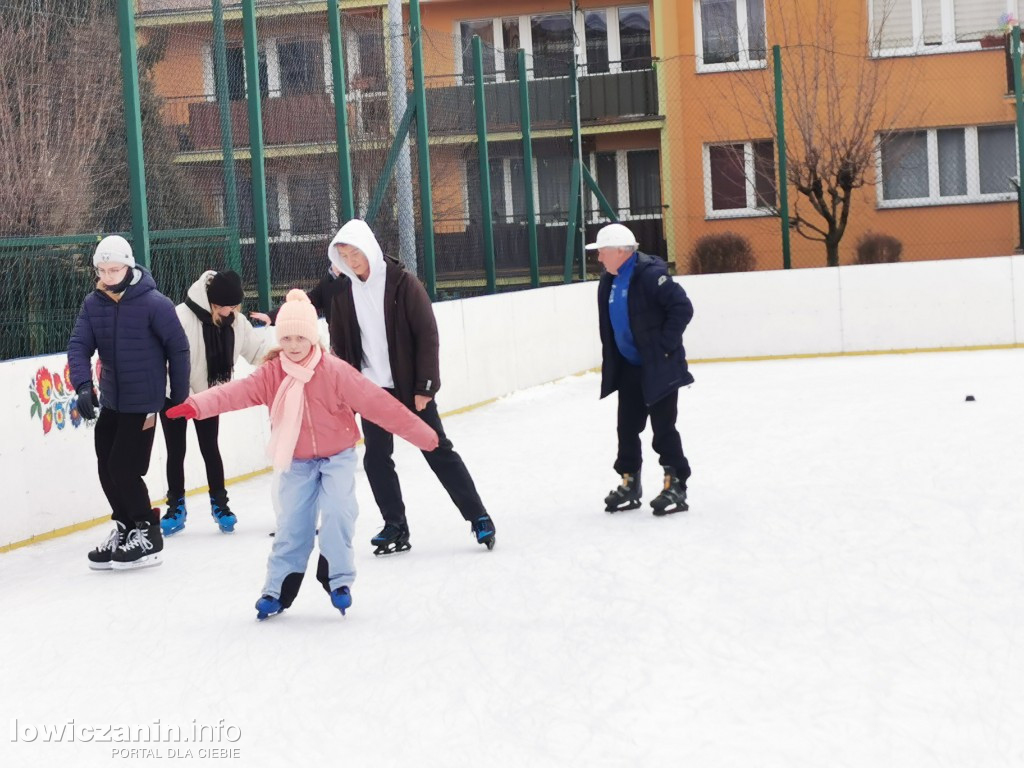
(444, 461)
(632, 418)
(123, 449)
(174, 439)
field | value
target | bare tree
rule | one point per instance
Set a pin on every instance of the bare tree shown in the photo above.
(57, 64)
(840, 105)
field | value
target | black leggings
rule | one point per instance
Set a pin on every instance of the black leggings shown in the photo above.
(174, 438)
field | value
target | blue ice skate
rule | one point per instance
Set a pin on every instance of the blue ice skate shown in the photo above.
(222, 512)
(267, 606)
(174, 519)
(483, 527)
(341, 598)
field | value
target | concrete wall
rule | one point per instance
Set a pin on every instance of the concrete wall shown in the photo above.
(494, 345)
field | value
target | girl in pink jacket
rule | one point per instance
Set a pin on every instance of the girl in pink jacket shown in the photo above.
(312, 396)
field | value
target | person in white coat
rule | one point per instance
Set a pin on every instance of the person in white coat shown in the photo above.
(218, 334)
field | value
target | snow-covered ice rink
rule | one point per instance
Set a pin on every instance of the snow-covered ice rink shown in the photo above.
(847, 590)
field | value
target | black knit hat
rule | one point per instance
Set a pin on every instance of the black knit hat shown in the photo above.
(225, 289)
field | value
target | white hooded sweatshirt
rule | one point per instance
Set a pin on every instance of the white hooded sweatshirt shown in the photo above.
(368, 298)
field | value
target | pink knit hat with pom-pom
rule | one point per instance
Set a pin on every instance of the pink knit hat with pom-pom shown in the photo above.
(297, 317)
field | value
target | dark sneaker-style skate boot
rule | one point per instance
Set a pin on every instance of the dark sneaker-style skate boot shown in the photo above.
(341, 598)
(483, 529)
(672, 497)
(141, 549)
(174, 518)
(222, 512)
(626, 496)
(392, 538)
(99, 558)
(267, 606)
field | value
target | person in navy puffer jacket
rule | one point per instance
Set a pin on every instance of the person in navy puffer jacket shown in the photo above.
(140, 342)
(642, 313)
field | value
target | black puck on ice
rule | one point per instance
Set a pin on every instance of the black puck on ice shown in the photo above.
(969, 399)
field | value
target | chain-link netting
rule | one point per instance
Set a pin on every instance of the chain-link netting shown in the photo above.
(63, 169)
(683, 150)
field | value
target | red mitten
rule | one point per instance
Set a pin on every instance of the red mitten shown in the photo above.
(183, 411)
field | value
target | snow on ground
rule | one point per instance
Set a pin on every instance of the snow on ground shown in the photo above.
(847, 590)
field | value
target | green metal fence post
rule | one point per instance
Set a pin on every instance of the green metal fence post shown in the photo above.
(577, 221)
(531, 214)
(422, 148)
(574, 216)
(133, 130)
(1019, 100)
(261, 234)
(220, 87)
(780, 129)
(348, 210)
(485, 164)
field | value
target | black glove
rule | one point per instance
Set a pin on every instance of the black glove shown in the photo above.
(87, 402)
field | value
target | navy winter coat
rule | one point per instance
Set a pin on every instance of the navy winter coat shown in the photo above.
(659, 312)
(138, 338)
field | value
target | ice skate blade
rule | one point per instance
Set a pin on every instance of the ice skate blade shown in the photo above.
(264, 616)
(100, 566)
(489, 543)
(171, 531)
(631, 505)
(391, 549)
(662, 511)
(143, 562)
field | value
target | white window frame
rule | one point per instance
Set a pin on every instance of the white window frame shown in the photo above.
(744, 61)
(752, 210)
(526, 38)
(949, 43)
(972, 160)
(209, 83)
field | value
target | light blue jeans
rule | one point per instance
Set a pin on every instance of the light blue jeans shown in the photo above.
(307, 487)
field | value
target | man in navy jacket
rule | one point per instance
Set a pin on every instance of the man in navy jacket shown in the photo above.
(643, 313)
(140, 342)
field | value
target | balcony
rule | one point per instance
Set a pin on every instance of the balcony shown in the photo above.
(604, 98)
(296, 119)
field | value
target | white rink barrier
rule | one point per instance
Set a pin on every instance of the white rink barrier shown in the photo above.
(494, 345)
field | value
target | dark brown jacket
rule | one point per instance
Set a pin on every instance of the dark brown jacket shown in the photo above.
(411, 331)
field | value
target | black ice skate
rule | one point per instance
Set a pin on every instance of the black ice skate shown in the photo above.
(391, 539)
(626, 496)
(99, 558)
(141, 549)
(672, 497)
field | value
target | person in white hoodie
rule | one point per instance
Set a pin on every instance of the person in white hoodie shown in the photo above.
(381, 322)
(218, 334)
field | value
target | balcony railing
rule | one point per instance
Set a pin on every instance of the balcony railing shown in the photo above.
(309, 117)
(603, 98)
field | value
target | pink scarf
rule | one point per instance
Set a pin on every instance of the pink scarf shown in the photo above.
(286, 410)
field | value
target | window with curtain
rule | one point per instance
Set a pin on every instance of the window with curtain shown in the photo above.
(485, 30)
(969, 163)
(552, 37)
(906, 24)
(635, 37)
(595, 25)
(518, 178)
(234, 57)
(243, 185)
(608, 177)
(997, 158)
(511, 42)
(309, 204)
(644, 173)
(553, 187)
(722, 24)
(741, 177)
(301, 67)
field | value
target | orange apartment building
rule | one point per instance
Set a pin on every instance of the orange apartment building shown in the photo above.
(662, 118)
